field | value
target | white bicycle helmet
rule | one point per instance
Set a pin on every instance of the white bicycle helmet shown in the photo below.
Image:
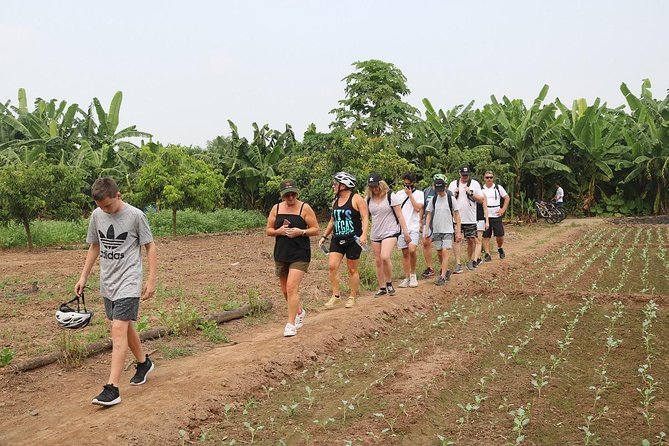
(70, 318)
(346, 179)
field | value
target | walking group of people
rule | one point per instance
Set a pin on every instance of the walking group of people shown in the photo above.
(438, 217)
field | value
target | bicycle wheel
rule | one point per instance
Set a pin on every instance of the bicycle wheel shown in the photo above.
(563, 213)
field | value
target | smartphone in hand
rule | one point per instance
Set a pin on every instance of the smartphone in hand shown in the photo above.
(286, 222)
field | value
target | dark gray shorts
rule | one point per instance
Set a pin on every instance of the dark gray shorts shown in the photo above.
(122, 309)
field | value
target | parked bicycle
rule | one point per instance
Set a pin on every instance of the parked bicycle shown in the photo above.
(549, 212)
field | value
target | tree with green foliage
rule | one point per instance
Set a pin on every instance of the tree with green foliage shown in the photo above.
(648, 137)
(525, 138)
(171, 178)
(373, 101)
(596, 147)
(249, 165)
(40, 190)
(48, 132)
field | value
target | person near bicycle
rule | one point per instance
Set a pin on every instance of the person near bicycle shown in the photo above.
(467, 192)
(559, 196)
(498, 202)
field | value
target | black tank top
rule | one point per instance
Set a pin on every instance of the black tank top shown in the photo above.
(288, 249)
(347, 221)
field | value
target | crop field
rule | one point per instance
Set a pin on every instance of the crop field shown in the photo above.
(561, 343)
(565, 350)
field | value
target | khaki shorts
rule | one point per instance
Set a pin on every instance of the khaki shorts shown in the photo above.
(281, 268)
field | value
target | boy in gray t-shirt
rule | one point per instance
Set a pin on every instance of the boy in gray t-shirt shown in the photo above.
(116, 233)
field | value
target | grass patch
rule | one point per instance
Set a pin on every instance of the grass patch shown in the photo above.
(54, 233)
(175, 352)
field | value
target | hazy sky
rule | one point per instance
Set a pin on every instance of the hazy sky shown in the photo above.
(187, 67)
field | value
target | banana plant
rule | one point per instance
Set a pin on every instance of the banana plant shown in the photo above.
(594, 135)
(253, 163)
(648, 138)
(525, 138)
(49, 131)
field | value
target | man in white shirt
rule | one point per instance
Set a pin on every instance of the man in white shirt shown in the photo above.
(412, 209)
(559, 196)
(498, 202)
(467, 192)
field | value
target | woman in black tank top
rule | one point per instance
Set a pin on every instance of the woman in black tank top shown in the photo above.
(291, 222)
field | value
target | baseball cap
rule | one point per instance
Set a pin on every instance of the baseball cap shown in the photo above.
(464, 170)
(288, 186)
(373, 179)
(439, 185)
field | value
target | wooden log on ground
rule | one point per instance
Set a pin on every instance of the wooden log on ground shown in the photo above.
(106, 344)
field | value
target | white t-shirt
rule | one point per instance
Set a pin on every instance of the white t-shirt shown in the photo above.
(442, 220)
(411, 216)
(559, 195)
(494, 199)
(466, 206)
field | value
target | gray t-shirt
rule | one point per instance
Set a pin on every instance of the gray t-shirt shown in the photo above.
(384, 224)
(442, 220)
(120, 236)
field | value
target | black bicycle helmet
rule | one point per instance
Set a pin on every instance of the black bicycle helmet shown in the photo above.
(70, 318)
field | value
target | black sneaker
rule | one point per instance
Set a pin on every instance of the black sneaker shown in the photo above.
(143, 369)
(429, 272)
(108, 397)
(477, 263)
(501, 253)
(487, 257)
(381, 292)
(448, 275)
(391, 289)
(440, 281)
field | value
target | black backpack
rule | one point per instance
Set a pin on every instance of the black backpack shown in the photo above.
(389, 201)
(449, 194)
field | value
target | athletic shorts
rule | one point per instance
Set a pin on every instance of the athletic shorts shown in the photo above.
(496, 227)
(123, 309)
(480, 225)
(281, 268)
(468, 230)
(415, 236)
(441, 240)
(348, 247)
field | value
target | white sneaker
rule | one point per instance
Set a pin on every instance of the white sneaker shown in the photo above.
(404, 283)
(290, 330)
(413, 281)
(299, 319)
(350, 302)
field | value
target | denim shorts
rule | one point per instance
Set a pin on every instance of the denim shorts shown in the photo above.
(125, 309)
(415, 236)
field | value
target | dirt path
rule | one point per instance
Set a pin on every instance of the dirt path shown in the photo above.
(52, 405)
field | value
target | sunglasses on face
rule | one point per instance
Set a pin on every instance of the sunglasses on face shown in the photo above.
(290, 194)
(488, 178)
